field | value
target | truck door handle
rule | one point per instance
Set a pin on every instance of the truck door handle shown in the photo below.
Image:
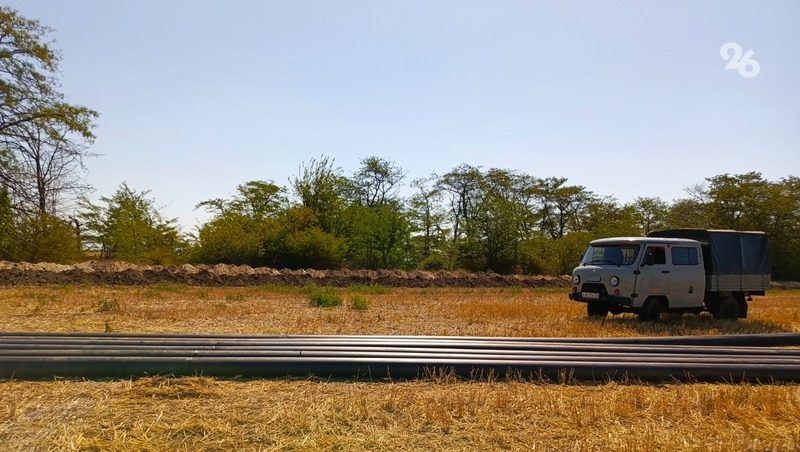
(664, 271)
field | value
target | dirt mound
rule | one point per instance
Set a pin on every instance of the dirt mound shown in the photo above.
(785, 284)
(124, 273)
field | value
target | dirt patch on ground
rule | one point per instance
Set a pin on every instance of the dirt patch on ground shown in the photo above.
(123, 273)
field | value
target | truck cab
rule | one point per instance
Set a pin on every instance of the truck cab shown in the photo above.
(676, 270)
(624, 274)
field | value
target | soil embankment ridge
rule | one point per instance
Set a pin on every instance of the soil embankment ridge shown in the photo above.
(123, 273)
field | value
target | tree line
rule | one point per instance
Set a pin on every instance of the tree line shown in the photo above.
(474, 218)
(495, 219)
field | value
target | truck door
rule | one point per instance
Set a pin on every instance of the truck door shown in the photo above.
(688, 277)
(653, 277)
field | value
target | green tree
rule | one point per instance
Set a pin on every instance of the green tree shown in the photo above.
(48, 167)
(499, 221)
(240, 226)
(46, 238)
(376, 182)
(312, 248)
(375, 225)
(43, 142)
(232, 238)
(562, 208)
(543, 255)
(322, 187)
(298, 242)
(378, 236)
(742, 202)
(461, 186)
(129, 227)
(651, 213)
(427, 218)
(566, 252)
(604, 217)
(785, 231)
(46, 135)
(28, 83)
(254, 199)
(688, 213)
(750, 202)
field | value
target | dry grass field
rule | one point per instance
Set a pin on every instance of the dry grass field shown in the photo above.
(163, 413)
(286, 310)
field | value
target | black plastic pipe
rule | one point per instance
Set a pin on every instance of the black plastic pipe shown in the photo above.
(105, 367)
(35, 356)
(749, 340)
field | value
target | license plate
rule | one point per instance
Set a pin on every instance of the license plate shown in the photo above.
(590, 295)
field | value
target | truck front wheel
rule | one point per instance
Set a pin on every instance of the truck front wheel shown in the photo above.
(596, 309)
(650, 310)
(728, 309)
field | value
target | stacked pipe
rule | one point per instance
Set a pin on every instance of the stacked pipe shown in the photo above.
(764, 358)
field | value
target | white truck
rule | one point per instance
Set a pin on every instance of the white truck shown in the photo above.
(677, 270)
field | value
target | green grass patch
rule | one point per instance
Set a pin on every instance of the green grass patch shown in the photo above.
(324, 297)
(359, 303)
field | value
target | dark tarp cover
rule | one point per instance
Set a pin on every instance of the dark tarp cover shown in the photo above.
(727, 252)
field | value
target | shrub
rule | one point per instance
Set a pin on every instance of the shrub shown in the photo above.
(324, 298)
(434, 262)
(359, 303)
(310, 248)
(231, 238)
(46, 238)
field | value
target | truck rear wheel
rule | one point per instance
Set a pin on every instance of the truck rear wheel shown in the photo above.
(596, 309)
(742, 309)
(728, 309)
(742, 301)
(650, 310)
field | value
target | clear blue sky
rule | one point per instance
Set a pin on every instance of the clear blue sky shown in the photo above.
(626, 98)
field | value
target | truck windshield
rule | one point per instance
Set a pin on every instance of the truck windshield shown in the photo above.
(610, 255)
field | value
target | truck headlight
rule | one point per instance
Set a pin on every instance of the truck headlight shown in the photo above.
(576, 279)
(614, 281)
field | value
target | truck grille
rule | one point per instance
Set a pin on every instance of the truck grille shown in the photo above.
(594, 287)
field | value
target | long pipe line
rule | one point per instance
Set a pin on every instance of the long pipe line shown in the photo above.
(588, 349)
(100, 367)
(755, 340)
(445, 356)
(25, 355)
(266, 351)
(388, 345)
(399, 343)
(706, 340)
